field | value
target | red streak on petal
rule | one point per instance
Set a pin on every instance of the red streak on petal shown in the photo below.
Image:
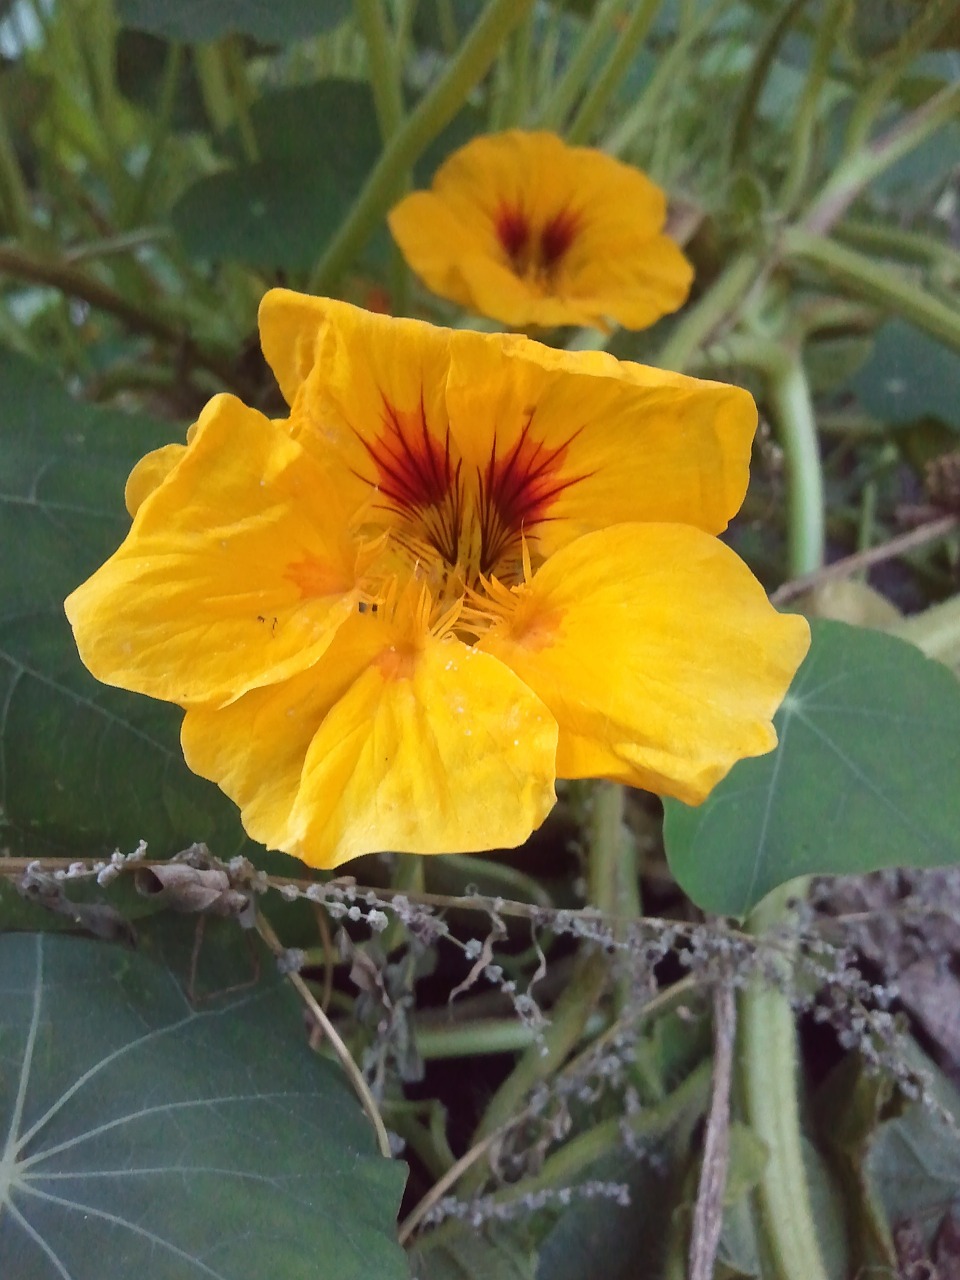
(517, 492)
(413, 467)
(513, 231)
(418, 477)
(556, 237)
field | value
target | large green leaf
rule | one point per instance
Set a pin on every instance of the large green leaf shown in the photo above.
(273, 21)
(83, 768)
(145, 1136)
(317, 144)
(865, 777)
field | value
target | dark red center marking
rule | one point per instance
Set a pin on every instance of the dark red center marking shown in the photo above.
(538, 251)
(517, 492)
(418, 477)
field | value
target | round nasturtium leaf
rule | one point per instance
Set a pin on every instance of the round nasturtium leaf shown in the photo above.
(865, 776)
(146, 1135)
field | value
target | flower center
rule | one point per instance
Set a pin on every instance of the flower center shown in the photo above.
(456, 527)
(535, 253)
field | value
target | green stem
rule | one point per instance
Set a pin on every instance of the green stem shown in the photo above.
(792, 405)
(762, 62)
(435, 109)
(854, 174)
(570, 83)
(808, 113)
(76, 283)
(668, 71)
(769, 1063)
(876, 95)
(385, 77)
(214, 89)
(134, 215)
(703, 318)
(912, 246)
(241, 97)
(768, 1068)
(876, 282)
(482, 1036)
(616, 67)
(14, 194)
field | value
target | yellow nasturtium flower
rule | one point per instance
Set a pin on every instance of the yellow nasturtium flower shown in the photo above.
(523, 228)
(465, 565)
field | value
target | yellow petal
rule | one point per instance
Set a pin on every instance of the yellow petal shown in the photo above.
(659, 654)
(610, 441)
(236, 573)
(424, 748)
(149, 473)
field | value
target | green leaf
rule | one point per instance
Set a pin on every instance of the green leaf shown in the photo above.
(146, 1136)
(865, 777)
(84, 768)
(273, 21)
(909, 376)
(318, 143)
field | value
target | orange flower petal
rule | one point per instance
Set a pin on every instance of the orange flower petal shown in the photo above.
(237, 571)
(658, 653)
(424, 748)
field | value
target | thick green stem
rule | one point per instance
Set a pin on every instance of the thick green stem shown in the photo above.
(768, 1063)
(436, 109)
(911, 246)
(876, 282)
(384, 65)
(768, 1071)
(383, 58)
(478, 1037)
(792, 405)
(624, 51)
(703, 318)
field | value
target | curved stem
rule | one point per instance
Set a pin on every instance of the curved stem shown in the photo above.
(792, 404)
(700, 321)
(877, 282)
(434, 110)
